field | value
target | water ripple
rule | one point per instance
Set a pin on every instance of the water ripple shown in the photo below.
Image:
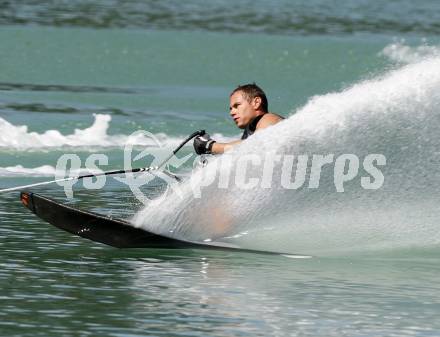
(280, 17)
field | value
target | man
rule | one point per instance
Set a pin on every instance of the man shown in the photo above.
(248, 108)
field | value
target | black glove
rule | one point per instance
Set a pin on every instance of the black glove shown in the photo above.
(203, 144)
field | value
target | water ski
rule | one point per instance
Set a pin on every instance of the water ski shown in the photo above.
(113, 232)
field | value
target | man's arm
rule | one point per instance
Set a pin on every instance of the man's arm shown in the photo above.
(266, 121)
(218, 148)
(203, 145)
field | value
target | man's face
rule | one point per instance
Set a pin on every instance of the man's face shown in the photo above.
(242, 111)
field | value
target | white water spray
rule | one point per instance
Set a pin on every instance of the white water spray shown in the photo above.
(397, 115)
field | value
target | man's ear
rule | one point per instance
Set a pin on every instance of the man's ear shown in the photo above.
(256, 102)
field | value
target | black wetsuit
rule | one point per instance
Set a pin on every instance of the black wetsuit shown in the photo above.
(250, 129)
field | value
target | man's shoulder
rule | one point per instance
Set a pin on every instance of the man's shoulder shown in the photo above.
(268, 119)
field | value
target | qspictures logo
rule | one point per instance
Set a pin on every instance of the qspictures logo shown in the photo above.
(272, 170)
(230, 170)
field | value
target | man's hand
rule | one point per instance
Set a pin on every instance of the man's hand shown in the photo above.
(203, 144)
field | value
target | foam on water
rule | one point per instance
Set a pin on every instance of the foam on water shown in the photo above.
(19, 138)
(19, 170)
(401, 53)
(40, 171)
(396, 114)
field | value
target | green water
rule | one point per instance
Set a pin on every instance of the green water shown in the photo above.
(53, 283)
(172, 75)
(207, 66)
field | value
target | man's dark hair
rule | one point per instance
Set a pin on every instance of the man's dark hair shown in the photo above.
(250, 91)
